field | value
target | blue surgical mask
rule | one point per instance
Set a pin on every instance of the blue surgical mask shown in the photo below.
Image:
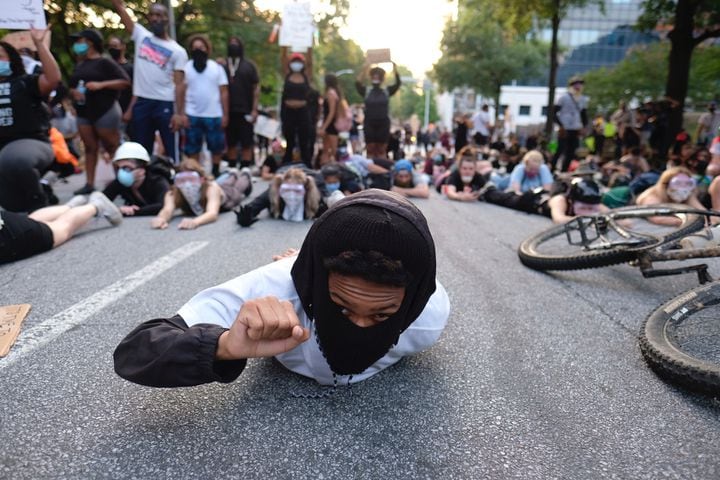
(125, 178)
(332, 187)
(80, 48)
(296, 66)
(5, 69)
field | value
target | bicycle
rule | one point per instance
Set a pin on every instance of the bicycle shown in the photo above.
(680, 340)
(624, 235)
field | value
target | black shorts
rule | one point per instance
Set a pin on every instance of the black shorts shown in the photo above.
(377, 131)
(22, 237)
(239, 130)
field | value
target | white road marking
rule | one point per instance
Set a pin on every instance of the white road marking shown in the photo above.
(58, 324)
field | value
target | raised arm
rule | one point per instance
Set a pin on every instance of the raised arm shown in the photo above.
(50, 78)
(121, 9)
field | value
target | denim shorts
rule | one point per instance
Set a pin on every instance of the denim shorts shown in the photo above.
(205, 128)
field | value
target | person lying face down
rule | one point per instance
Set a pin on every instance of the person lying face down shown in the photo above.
(357, 286)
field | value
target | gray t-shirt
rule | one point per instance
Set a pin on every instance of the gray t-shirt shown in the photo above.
(570, 108)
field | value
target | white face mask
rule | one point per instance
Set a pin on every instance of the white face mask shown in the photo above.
(189, 184)
(680, 187)
(679, 195)
(296, 66)
(293, 195)
(466, 178)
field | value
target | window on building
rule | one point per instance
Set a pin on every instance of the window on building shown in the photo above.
(544, 111)
(524, 110)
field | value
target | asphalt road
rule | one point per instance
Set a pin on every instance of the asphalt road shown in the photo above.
(537, 375)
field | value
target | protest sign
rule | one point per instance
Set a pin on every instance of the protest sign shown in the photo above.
(24, 40)
(267, 127)
(378, 55)
(297, 27)
(22, 14)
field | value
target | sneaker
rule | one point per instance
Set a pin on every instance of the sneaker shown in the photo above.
(106, 208)
(77, 201)
(244, 216)
(248, 174)
(701, 239)
(50, 177)
(86, 190)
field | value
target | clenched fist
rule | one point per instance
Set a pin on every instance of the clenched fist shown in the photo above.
(264, 327)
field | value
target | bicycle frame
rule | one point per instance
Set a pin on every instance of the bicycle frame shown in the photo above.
(593, 228)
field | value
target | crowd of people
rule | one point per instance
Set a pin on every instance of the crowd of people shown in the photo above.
(151, 119)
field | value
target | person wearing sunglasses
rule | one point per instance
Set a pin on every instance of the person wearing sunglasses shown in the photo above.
(142, 189)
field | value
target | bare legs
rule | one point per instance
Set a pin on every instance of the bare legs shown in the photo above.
(63, 220)
(91, 138)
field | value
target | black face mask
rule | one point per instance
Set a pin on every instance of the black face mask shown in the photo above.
(158, 28)
(365, 221)
(234, 50)
(115, 53)
(200, 59)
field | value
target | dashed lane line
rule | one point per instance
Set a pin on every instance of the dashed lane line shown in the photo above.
(58, 324)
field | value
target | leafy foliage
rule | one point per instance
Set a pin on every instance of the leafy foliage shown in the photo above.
(643, 73)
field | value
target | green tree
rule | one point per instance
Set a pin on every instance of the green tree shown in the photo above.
(480, 53)
(552, 11)
(692, 22)
(643, 73)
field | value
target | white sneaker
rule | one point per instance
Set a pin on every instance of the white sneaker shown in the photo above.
(77, 201)
(106, 208)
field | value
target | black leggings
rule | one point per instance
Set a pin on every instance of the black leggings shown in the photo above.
(296, 127)
(22, 164)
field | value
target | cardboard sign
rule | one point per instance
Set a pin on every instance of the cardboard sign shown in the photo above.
(378, 55)
(267, 127)
(11, 319)
(24, 40)
(22, 14)
(297, 28)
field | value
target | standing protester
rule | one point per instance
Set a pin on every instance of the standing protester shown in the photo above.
(116, 49)
(25, 151)
(95, 84)
(377, 114)
(481, 127)
(461, 132)
(355, 286)
(295, 109)
(334, 106)
(244, 88)
(708, 125)
(158, 63)
(206, 102)
(571, 116)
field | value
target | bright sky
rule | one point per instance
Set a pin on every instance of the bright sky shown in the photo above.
(411, 29)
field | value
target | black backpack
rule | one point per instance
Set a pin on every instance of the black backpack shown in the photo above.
(162, 166)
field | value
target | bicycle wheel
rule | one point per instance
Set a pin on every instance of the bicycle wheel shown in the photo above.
(681, 339)
(606, 239)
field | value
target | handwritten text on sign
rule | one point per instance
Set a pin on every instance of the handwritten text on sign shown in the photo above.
(297, 26)
(21, 14)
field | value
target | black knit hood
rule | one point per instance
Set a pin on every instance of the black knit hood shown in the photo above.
(372, 220)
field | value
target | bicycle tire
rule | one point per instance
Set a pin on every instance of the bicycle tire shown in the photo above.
(531, 257)
(678, 363)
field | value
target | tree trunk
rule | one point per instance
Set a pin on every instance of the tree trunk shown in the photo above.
(682, 44)
(553, 70)
(496, 99)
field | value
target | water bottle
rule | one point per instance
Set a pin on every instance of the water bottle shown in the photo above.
(82, 89)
